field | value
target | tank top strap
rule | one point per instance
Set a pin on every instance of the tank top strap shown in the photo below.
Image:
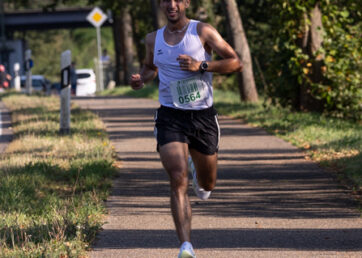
(193, 26)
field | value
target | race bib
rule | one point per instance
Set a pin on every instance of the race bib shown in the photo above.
(188, 91)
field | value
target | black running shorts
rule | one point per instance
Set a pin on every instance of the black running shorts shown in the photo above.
(198, 128)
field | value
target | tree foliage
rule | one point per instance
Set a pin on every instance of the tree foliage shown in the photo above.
(274, 29)
(47, 47)
(340, 90)
(42, 4)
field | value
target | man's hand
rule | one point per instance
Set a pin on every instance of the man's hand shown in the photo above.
(136, 82)
(187, 63)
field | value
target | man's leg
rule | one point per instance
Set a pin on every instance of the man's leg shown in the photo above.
(206, 169)
(174, 159)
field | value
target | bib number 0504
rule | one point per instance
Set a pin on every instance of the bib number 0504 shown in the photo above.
(189, 97)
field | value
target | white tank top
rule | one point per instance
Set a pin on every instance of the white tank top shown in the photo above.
(182, 89)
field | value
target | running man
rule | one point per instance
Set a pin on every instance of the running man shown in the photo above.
(186, 122)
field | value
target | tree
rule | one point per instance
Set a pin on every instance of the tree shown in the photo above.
(119, 60)
(159, 18)
(127, 43)
(246, 80)
(123, 38)
(316, 62)
(311, 43)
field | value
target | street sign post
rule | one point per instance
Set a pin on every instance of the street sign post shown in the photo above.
(97, 17)
(17, 76)
(28, 66)
(65, 62)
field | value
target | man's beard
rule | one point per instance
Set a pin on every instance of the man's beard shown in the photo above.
(173, 21)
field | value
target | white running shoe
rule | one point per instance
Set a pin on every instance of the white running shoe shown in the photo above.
(186, 251)
(199, 191)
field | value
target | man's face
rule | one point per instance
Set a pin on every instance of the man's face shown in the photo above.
(174, 9)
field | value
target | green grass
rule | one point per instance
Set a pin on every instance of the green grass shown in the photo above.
(146, 92)
(52, 187)
(336, 144)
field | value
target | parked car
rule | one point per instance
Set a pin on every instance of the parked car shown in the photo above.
(39, 83)
(86, 82)
(55, 88)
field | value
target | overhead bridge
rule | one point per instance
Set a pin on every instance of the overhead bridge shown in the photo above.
(46, 20)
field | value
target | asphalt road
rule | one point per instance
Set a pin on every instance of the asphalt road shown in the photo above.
(269, 200)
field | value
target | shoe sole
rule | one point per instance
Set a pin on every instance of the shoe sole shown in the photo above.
(186, 254)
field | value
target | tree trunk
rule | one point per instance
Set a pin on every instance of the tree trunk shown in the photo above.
(127, 44)
(316, 40)
(159, 18)
(312, 42)
(117, 37)
(246, 80)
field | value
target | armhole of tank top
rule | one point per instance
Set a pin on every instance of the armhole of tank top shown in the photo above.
(158, 39)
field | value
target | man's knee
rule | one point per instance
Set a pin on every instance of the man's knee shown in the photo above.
(178, 180)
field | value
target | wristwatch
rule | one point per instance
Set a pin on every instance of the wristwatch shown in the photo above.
(203, 66)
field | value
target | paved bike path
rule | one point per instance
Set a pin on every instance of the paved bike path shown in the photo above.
(269, 200)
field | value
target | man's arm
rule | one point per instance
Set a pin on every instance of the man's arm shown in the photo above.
(149, 70)
(212, 40)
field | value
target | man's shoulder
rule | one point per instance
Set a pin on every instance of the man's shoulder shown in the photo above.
(206, 31)
(151, 37)
(204, 27)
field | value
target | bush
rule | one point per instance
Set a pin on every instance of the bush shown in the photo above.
(340, 90)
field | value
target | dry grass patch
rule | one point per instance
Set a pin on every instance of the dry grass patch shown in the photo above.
(52, 187)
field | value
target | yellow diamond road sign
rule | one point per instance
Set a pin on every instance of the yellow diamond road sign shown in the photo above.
(97, 17)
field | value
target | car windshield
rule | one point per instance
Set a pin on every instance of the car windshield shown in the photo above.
(83, 75)
(37, 83)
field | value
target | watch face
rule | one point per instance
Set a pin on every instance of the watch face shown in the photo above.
(204, 65)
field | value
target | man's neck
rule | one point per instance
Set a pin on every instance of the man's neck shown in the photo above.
(178, 26)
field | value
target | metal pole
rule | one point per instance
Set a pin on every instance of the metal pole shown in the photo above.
(65, 63)
(28, 81)
(17, 76)
(100, 65)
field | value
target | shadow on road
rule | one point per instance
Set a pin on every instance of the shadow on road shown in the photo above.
(296, 239)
